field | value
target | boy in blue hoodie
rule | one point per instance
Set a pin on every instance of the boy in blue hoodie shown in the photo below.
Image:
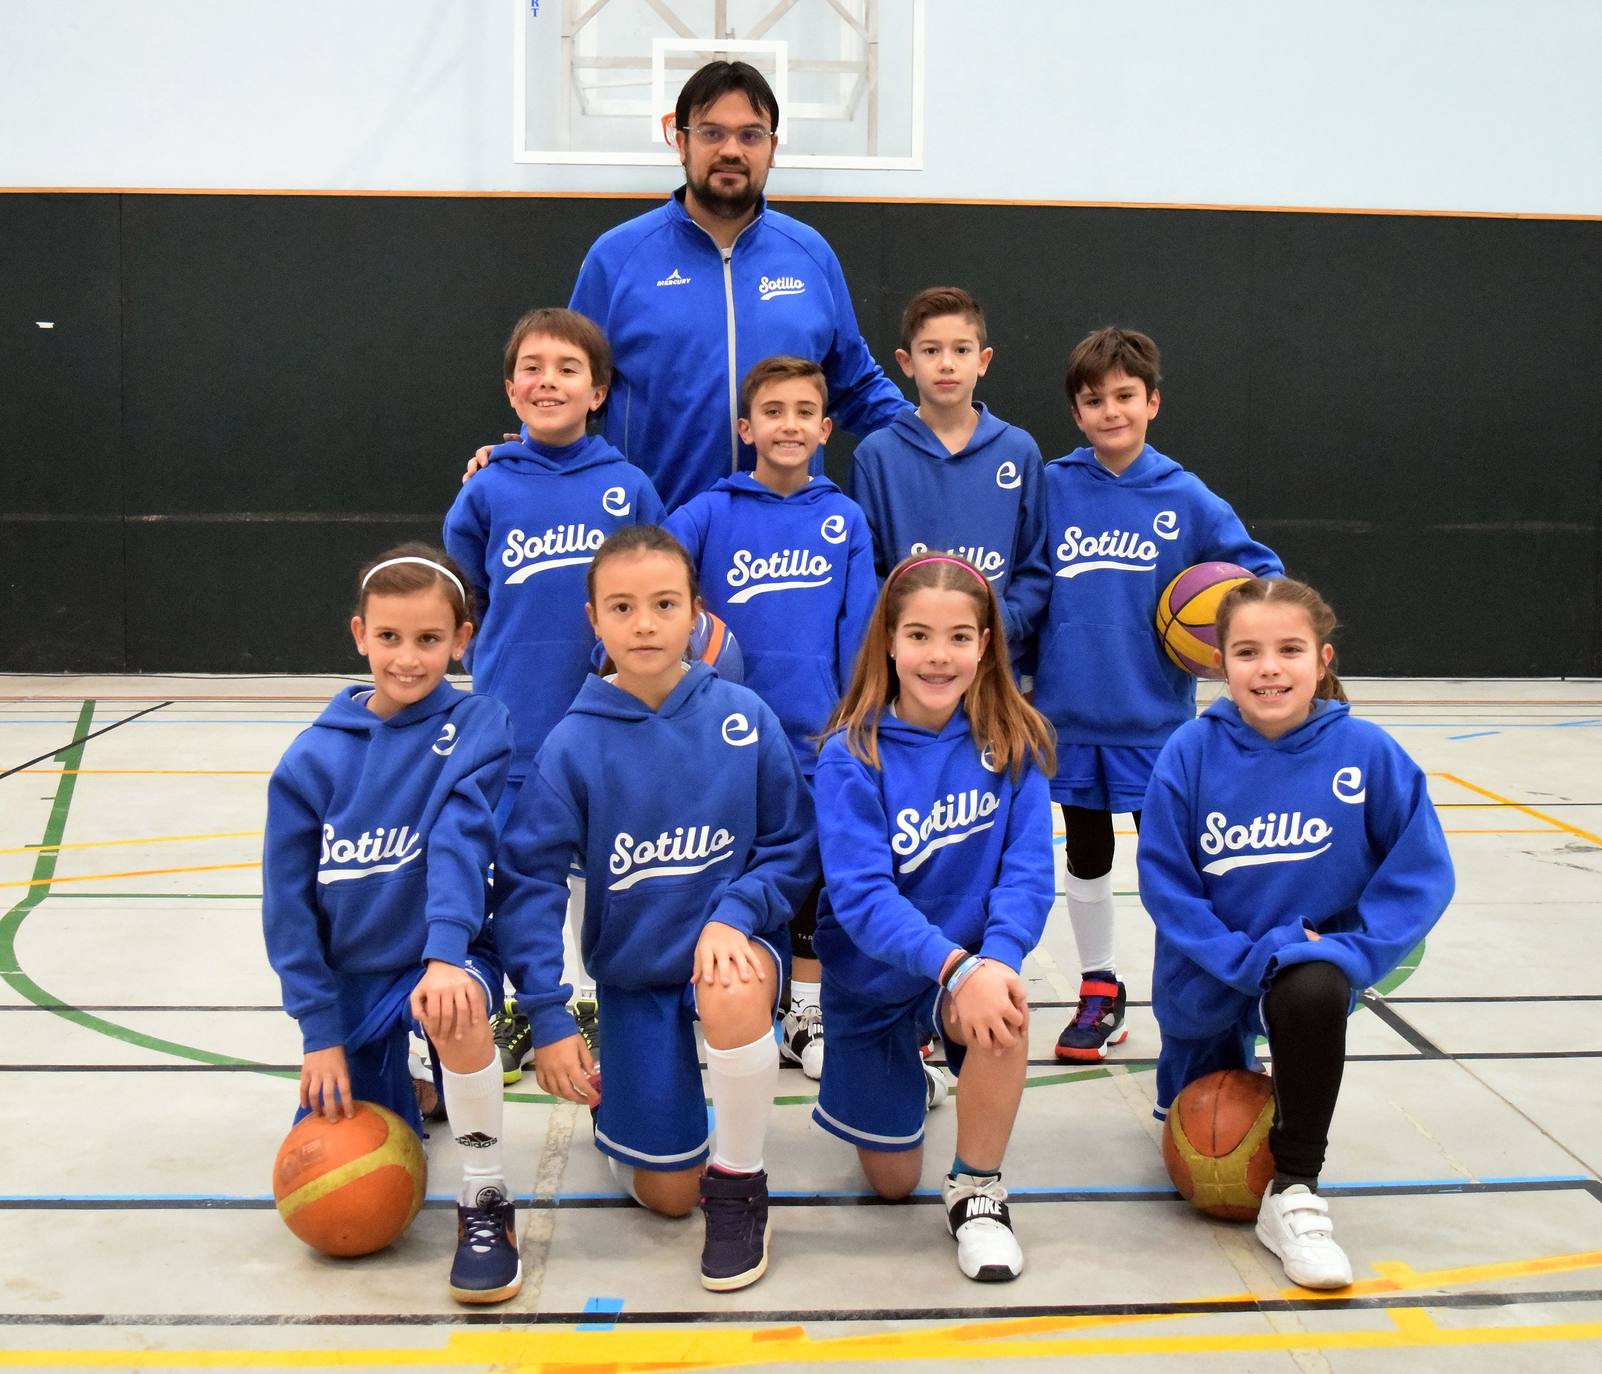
(949, 475)
(525, 531)
(785, 558)
(380, 833)
(1290, 858)
(1123, 521)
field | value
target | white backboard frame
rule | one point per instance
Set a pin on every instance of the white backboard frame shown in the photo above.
(665, 157)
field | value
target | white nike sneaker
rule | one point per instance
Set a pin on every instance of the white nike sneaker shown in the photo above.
(935, 1087)
(1295, 1225)
(977, 1217)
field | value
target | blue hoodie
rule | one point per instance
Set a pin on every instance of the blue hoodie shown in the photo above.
(379, 836)
(686, 323)
(1114, 543)
(524, 530)
(929, 853)
(692, 813)
(986, 503)
(1247, 843)
(792, 577)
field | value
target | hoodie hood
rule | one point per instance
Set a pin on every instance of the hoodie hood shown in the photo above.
(891, 726)
(1224, 715)
(912, 431)
(348, 710)
(532, 456)
(746, 484)
(598, 697)
(1148, 470)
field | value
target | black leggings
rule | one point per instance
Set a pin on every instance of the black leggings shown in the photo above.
(804, 924)
(1305, 1013)
(1088, 841)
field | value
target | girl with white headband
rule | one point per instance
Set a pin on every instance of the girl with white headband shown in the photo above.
(380, 834)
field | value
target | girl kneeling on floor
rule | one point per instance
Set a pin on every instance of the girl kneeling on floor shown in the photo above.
(1290, 857)
(934, 825)
(685, 804)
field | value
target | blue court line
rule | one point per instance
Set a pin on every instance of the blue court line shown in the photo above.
(828, 1195)
(1479, 734)
(602, 1307)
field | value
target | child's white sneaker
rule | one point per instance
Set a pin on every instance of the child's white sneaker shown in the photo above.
(935, 1088)
(977, 1217)
(1295, 1225)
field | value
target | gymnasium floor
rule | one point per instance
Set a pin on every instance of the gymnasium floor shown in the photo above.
(147, 1078)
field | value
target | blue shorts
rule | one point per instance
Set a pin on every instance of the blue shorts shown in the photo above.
(1103, 777)
(653, 1108)
(376, 1016)
(873, 1091)
(1181, 1062)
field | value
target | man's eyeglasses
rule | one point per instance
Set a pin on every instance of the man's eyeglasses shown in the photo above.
(752, 137)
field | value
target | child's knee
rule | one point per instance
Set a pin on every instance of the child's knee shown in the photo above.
(892, 1174)
(672, 1194)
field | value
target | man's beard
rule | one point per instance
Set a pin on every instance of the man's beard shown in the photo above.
(726, 204)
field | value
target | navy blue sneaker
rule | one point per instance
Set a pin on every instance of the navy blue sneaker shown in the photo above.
(736, 1250)
(1099, 1023)
(488, 1267)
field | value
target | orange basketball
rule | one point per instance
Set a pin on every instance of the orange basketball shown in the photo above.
(349, 1187)
(1215, 1146)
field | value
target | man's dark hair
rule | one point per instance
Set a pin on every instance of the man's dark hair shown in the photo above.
(715, 80)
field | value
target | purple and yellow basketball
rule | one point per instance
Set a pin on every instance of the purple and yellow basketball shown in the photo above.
(1186, 611)
(713, 643)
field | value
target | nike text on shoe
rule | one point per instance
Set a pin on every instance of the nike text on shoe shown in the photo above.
(977, 1217)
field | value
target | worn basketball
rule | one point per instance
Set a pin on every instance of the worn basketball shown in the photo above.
(713, 643)
(1215, 1145)
(350, 1187)
(1187, 609)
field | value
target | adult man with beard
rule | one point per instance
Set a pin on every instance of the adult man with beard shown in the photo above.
(693, 294)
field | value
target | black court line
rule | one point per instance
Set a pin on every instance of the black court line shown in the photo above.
(93, 734)
(606, 1202)
(1398, 1023)
(820, 1316)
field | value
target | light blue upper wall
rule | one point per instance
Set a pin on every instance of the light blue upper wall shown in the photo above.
(1403, 104)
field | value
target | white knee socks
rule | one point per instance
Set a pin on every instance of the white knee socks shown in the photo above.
(1090, 908)
(742, 1083)
(473, 1102)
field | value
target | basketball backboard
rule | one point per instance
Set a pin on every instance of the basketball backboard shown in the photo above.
(596, 80)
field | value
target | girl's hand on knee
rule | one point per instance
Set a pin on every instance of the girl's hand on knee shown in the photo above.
(325, 1083)
(448, 1001)
(986, 1011)
(563, 1069)
(723, 952)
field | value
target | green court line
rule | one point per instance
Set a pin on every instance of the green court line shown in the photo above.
(44, 869)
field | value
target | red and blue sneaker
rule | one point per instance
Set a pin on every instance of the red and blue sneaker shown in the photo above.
(1099, 1023)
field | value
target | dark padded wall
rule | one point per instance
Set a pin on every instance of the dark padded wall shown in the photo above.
(244, 397)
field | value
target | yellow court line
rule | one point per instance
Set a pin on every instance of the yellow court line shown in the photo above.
(1585, 835)
(1025, 1338)
(148, 839)
(136, 873)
